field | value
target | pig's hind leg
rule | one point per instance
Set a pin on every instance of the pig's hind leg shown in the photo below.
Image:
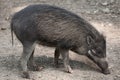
(28, 48)
(32, 63)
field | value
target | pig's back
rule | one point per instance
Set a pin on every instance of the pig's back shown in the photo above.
(53, 24)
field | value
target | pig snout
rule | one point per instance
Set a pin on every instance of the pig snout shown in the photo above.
(101, 62)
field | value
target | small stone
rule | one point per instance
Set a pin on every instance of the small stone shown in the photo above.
(111, 48)
(109, 24)
(96, 11)
(7, 18)
(106, 10)
(104, 4)
(3, 28)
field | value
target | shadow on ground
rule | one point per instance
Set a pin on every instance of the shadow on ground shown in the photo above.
(12, 62)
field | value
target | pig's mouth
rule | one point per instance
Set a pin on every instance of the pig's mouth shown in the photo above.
(92, 53)
(101, 62)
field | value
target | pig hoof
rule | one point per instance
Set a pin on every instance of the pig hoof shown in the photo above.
(69, 70)
(106, 71)
(26, 75)
(38, 68)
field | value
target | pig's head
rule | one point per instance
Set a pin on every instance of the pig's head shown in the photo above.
(97, 47)
(97, 52)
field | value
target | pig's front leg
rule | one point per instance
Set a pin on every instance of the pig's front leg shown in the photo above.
(65, 56)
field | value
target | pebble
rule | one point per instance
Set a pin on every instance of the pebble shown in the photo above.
(7, 18)
(96, 11)
(106, 10)
(3, 28)
(105, 3)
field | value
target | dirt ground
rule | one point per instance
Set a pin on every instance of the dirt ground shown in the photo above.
(103, 14)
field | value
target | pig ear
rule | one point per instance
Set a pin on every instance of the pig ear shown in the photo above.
(90, 40)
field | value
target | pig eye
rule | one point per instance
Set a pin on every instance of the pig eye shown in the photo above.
(99, 52)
